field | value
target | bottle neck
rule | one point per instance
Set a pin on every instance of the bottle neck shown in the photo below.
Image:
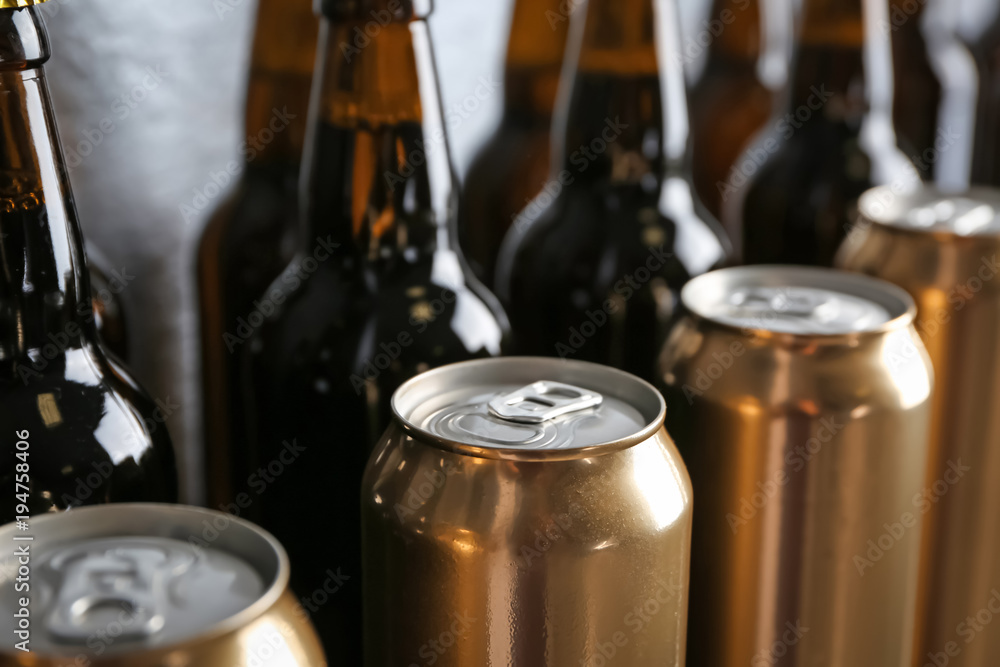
(379, 179)
(738, 26)
(44, 287)
(282, 60)
(534, 60)
(626, 118)
(844, 60)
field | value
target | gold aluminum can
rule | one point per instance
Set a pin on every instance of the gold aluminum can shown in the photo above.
(800, 399)
(943, 249)
(526, 511)
(148, 585)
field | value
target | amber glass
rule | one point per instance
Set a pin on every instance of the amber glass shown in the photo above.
(734, 96)
(595, 274)
(831, 143)
(250, 239)
(377, 292)
(918, 89)
(109, 311)
(513, 165)
(92, 435)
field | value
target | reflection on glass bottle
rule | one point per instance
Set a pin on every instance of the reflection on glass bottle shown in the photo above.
(746, 72)
(250, 239)
(91, 433)
(833, 141)
(109, 312)
(936, 89)
(595, 274)
(513, 166)
(376, 293)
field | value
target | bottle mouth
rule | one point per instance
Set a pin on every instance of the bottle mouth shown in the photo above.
(377, 12)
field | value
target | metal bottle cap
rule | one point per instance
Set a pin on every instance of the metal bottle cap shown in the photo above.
(15, 4)
(975, 212)
(528, 404)
(132, 572)
(796, 300)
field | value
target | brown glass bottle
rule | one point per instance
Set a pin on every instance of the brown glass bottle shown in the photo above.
(92, 436)
(746, 70)
(833, 141)
(513, 166)
(376, 293)
(595, 275)
(109, 311)
(250, 239)
(936, 87)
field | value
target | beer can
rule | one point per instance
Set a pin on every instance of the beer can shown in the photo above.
(526, 511)
(943, 249)
(137, 585)
(800, 399)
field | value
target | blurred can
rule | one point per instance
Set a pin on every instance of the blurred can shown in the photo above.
(137, 585)
(800, 399)
(526, 511)
(943, 249)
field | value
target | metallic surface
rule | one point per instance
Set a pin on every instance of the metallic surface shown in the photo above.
(951, 274)
(171, 568)
(806, 453)
(493, 556)
(13, 4)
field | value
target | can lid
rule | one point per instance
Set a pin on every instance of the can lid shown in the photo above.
(514, 406)
(137, 567)
(975, 212)
(796, 300)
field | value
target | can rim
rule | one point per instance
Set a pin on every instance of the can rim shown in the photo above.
(157, 515)
(899, 303)
(976, 192)
(513, 453)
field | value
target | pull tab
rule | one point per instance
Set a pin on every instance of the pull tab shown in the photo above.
(542, 401)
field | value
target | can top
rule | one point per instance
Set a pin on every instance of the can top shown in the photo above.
(528, 408)
(165, 575)
(797, 300)
(975, 212)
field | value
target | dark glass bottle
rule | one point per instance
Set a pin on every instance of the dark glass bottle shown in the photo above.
(595, 275)
(745, 73)
(92, 434)
(977, 25)
(936, 86)
(833, 141)
(513, 166)
(109, 311)
(377, 292)
(251, 238)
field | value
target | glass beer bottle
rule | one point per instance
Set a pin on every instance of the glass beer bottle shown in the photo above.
(595, 274)
(977, 25)
(250, 239)
(514, 164)
(377, 292)
(833, 141)
(109, 312)
(76, 429)
(745, 73)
